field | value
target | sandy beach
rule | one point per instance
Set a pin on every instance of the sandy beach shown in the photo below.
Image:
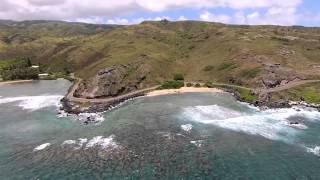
(182, 90)
(14, 82)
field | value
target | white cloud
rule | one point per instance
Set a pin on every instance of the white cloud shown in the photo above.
(242, 4)
(207, 16)
(279, 12)
(77, 9)
(91, 20)
(121, 21)
(274, 16)
(45, 2)
(253, 15)
(182, 18)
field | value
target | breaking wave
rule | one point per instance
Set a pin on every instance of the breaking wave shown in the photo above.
(41, 147)
(105, 143)
(76, 144)
(101, 142)
(315, 150)
(98, 141)
(34, 102)
(186, 127)
(271, 124)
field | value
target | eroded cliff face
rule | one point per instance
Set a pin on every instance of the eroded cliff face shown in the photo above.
(276, 75)
(113, 81)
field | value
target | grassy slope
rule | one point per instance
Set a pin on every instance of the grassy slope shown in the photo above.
(235, 54)
(308, 92)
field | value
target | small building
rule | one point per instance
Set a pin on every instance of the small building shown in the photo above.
(34, 66)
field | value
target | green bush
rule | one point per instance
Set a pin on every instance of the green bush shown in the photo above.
(19, 73)
(178, 77)
(10, 64)
(247, 95)
(172, 85)
(13, 69)
(250, 73)
(197, 85)
(227, 65)
(209, 85)
(189, 84)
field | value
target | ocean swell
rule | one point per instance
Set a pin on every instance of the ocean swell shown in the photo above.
(272, 124)
(33, 103)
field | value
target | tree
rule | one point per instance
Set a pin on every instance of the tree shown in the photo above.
(29, 64)
(178, 77)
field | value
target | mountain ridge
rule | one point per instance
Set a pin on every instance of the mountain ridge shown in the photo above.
(252, 56)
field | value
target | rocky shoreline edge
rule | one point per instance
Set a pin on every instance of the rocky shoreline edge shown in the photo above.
(76, 107)
(267, 104)
(73, 107)
(92, 112)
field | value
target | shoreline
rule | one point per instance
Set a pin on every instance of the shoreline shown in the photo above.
(73, 105)
(183, 90)
(15, 82)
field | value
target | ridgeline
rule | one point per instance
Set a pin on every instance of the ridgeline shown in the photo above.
(117, 60)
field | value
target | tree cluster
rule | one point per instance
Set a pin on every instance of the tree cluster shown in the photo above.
(18, 69)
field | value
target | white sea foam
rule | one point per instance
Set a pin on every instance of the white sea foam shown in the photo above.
(315, 150)
(211, 112)
(69, 142)
(34, 102)
(271, 124)
(186, 127)
(41, 147)
(91, 117)
(81, 141)
(197, 143)
(105, 143)
(76, 144)
(62, 114)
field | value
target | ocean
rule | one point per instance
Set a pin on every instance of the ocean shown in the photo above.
(181, 136)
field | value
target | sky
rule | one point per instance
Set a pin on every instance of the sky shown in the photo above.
(252, 12)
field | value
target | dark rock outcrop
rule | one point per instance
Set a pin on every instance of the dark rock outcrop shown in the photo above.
(113, 81)
(74, 107)
(276, 75)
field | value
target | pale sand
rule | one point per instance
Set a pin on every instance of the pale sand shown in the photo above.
(183, 90)
(14, 82)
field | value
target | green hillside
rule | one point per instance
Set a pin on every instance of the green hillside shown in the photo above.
(251, 56)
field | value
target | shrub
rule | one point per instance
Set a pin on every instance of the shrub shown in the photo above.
(208, 68)
(19, 73)
(208, 84)
(197, 85)
(250, 73)
(189, 84)
(172, 85)
(247, 95)
(178, 77)
(227, 65)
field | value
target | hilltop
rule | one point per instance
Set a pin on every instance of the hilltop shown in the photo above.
(114, 60)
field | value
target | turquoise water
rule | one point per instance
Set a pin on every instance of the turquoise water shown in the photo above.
(187, 136)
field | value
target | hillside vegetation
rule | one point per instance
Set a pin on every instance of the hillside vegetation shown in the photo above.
(153, 52)
(17, 69)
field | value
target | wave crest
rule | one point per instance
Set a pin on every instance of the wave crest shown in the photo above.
(271, 124)
(34, 102)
